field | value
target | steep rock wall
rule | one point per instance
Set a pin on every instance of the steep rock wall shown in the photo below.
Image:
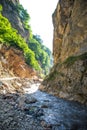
(68, 77)
(70, 26)
(10, 11)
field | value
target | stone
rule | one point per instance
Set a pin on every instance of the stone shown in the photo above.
(59, 115)
(44, 106)
(18, 66)
(30, 99)
(68, 77)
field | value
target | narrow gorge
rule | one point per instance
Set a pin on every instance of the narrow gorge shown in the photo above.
(31, 97)
(68, 77)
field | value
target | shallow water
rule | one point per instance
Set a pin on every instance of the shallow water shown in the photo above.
(36, 110)
(60, 113)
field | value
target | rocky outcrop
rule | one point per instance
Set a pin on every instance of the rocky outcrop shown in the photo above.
(14, 71)
(12, 59)
(10, 11)
(15, 74)
(70, 26)
(68, 77)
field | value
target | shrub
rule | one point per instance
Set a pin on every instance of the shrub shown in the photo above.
(10, 36)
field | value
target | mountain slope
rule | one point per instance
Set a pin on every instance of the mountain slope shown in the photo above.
(16, 31)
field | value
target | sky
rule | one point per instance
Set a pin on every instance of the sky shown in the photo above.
(40, 12)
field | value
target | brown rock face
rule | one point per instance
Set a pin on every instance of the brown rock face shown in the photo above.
(68, 77)
(70, 29)
(11, 13)
(13, 61)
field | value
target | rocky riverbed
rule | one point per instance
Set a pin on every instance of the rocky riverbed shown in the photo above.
(36, 110)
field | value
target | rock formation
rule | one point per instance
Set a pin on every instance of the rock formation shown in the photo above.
(13, 60)
(11, 13)
(14, 72)
(68, 77)
(70, 25)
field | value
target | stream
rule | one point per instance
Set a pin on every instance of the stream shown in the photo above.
(36, 110)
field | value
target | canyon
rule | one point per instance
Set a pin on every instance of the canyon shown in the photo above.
(59, 101)
(68, 77)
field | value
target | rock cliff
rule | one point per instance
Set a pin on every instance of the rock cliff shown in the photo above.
(13, 60)
(68, 77)
(11, 13)
(14, 72)
(70, 26)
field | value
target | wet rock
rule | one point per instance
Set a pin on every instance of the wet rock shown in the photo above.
(30, 99)
(35, 111)
(27, 111)
(39, 112)
(44, 106)
(55, 113)
(43, 123)
(46, 126)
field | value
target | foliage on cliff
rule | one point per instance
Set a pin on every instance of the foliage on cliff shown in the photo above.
(36, 54)
(24, 16)
(10, 36)
(42, 54)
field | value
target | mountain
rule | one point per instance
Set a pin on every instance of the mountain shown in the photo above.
(16, 34)
(68, 77)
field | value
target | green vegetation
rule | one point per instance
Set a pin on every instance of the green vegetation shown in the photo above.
(9, 36)
(36, 54)
(71, 60)
(24, 16)
(42, 54)
(53, 75)
(83, 56)
(1, 8)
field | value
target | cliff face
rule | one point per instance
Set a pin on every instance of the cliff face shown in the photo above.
(70, 29)
(8, 54)
(12, 59)
(68, 77)
(14, 72)
(10, 11)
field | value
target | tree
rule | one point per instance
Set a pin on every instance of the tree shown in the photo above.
(10, 36)
(24, 16)
(42, 54)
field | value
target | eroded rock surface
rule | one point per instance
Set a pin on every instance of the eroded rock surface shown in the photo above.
(70, 29)
(12, 61)
(68, 77)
